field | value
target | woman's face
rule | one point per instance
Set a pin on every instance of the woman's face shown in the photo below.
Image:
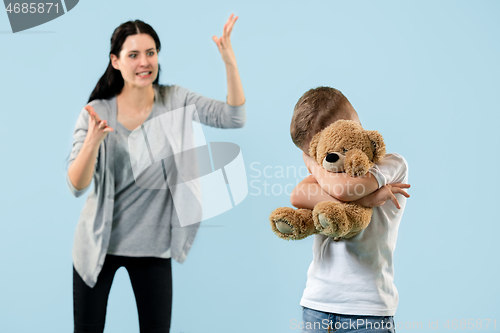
(137, 61)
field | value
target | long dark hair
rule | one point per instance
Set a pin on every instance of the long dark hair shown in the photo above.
(111, 83)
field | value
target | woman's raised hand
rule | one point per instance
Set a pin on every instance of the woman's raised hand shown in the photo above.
(98, 128)
(224, 42)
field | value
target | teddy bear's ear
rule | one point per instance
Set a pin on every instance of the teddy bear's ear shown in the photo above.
(313, 145)
(378, 145)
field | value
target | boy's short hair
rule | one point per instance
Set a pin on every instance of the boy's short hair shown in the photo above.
(315, 110)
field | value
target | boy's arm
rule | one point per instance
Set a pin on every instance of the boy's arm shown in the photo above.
(340, 185)
(386, 192)
(308, 193)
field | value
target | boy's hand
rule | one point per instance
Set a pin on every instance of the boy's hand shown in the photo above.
(380, 196)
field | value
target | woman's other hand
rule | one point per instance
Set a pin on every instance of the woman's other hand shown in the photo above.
(80, 172)
(224, 42)
(98, 128)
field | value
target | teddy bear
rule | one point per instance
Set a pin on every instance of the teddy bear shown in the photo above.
(343, 146)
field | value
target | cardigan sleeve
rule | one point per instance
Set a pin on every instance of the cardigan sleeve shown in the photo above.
(79, 135)
(212, 112)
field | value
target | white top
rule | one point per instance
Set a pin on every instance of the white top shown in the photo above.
(355, 276)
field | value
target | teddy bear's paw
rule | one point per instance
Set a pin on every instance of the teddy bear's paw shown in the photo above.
(284, 226)
(324, 221)
(330, 219)
(288, 223)
(357, 163)
(326, 225)
(357, 170)
(284, 222)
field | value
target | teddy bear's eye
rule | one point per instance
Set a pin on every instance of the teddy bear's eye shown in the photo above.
(344, 150)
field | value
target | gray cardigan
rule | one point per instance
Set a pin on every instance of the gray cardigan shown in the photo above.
(93, 229)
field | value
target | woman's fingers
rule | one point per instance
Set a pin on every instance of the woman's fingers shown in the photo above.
(92, 113)
(223, 41)
(104, 126)
(231, 25)
(91, 121)
(216, 40)
(228, 23)
(94, 120)
(89, 109)
(224, 30)
(228, 27)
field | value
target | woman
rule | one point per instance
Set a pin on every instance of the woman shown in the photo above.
(121, 223)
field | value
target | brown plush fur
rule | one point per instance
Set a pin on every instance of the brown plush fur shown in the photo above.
(299, 219)
(358, 151)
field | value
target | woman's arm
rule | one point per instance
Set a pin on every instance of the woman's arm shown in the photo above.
(212, 112)
(235, 95)
(81, 170)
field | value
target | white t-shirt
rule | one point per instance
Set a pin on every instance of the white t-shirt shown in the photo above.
(355, 276)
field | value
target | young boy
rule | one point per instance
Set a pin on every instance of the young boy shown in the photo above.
(349, 284)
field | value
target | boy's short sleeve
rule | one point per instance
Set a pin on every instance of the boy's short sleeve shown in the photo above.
(392, 169)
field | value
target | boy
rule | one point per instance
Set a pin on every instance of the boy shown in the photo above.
(349, 284)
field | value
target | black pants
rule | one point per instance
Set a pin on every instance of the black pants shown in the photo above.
(151, 280)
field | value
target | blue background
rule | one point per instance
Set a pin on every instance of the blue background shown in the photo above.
(423, 73)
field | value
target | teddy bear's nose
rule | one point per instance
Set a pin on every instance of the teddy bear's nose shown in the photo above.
(332, 158)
